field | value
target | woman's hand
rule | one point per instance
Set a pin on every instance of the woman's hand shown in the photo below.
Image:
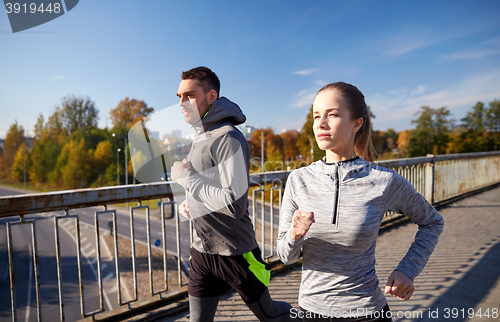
(399, 285)
(301, 222)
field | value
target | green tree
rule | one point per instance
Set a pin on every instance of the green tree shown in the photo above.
(493, 123)
(431, 132)
(474, 120)
(442, 130)
(78, 113)
(475, 137)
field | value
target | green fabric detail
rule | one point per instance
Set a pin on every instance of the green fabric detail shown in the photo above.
(257, 268)
(209, 106)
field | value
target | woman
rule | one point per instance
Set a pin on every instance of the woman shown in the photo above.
(332, 211)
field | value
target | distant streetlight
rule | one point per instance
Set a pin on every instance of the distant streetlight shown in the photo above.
(262, 150)
(118, 166)
(126, 157)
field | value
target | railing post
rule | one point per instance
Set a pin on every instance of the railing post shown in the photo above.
(429, 179)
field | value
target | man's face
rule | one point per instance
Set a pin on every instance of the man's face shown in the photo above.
(193, 100)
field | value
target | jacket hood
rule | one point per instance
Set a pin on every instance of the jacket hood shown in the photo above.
(222, 110)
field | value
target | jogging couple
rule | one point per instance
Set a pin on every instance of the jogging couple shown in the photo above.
(331, 212)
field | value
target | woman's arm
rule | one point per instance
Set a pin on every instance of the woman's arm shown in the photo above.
(404, 199)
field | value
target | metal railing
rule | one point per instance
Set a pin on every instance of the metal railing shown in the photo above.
(438, 178)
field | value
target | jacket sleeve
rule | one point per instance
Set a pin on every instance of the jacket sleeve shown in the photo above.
(229, 195)
(404, 199)
(288, 250)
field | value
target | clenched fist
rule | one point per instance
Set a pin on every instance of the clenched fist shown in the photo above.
(301, 222)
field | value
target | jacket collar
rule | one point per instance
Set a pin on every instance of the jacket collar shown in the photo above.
(346, 167)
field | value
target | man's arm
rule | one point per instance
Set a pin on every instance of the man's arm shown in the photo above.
(229, 195)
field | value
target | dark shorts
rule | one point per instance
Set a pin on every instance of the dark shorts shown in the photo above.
(214, 275)
(383, 315)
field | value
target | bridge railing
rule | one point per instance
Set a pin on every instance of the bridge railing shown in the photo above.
(438, 178)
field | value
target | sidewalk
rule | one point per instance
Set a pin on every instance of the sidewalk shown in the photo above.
(461, 277)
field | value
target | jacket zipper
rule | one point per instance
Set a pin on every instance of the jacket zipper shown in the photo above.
(337, 192)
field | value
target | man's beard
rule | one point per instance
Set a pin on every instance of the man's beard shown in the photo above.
(194, 112)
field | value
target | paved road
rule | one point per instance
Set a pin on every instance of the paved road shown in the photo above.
(462, 277)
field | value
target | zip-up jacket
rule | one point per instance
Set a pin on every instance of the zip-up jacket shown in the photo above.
(217, 183)
(349, 200)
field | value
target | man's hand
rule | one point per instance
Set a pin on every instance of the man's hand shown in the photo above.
(184, 210)
(301, 222)
(399, 285)
(177, 169)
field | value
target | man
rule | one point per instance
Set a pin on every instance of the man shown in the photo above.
(225, 253)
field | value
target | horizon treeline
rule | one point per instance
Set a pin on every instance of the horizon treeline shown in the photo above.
(69, 150)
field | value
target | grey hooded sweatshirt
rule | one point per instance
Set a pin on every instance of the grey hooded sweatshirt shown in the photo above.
(217, 183)
(349, 200)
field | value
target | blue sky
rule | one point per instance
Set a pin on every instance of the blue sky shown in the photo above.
(271, 57)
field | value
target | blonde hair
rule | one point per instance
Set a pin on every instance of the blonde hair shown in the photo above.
(357, 106)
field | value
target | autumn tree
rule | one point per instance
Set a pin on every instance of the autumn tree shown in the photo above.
(128, 112)
(289, 139)
(102, 157)
(384, 143)
(21, 163)
(73, 164)
(12, 142)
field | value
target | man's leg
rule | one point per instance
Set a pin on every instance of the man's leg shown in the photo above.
(249, 275)
(204, 288)
(267, 310)
(202, 309)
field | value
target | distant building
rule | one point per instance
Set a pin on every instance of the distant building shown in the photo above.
(155, 135)
(246, 130)
(177, 134)
(1, 143)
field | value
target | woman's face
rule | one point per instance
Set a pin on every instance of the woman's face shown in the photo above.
(333, 127)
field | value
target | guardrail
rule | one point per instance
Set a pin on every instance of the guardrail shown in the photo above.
(438, 178)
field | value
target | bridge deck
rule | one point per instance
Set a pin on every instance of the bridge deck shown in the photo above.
(463, 272)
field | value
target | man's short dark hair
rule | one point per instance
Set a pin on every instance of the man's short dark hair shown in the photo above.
(207, 78)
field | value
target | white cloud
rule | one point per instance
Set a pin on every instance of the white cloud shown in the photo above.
(469, 55)
(482, 50)
(304, 98)
(306, 72)
(420, 90)
(56, 77)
